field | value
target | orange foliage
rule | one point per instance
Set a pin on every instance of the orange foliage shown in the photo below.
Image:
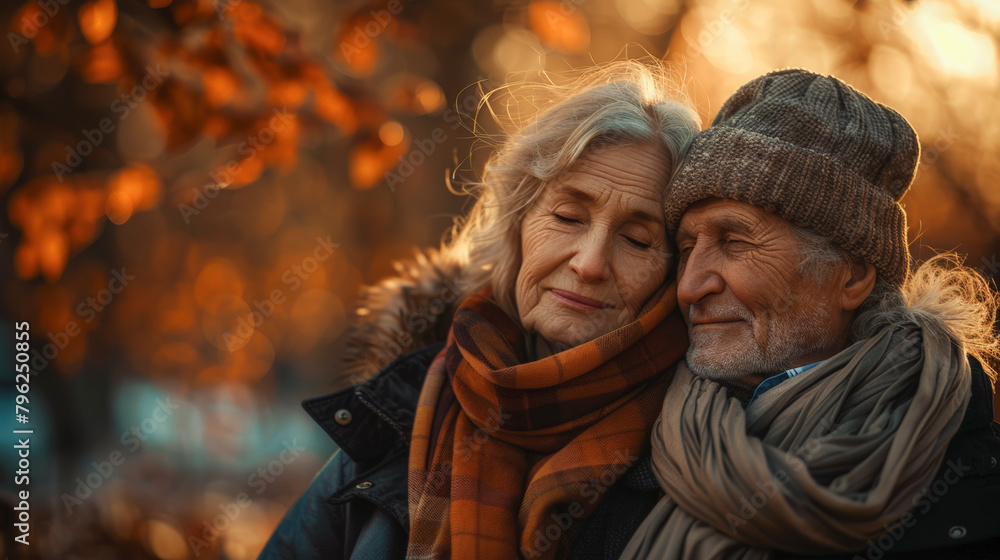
(101, 64)
(219, 84)
(98, 19)
(256, 30)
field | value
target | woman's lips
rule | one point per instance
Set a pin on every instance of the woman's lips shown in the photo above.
(576, 300)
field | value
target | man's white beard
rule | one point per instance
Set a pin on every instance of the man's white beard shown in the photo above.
(745, 361)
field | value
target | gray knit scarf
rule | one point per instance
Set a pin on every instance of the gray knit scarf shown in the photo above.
(820, 464)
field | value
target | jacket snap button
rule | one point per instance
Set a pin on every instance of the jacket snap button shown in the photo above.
(343, 417)
(956, 532)
(364, 485)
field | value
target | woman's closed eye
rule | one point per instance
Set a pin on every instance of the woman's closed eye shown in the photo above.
(565, 219)
(637, 243)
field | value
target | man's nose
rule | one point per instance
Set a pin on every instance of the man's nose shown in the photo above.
(591, 261)
(699, 277)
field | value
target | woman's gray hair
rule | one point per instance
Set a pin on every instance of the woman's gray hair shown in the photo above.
(621, 103)
(940, 293)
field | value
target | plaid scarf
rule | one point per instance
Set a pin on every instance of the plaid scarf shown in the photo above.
(508, 458)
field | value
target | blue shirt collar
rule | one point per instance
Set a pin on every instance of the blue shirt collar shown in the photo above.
(773, 381)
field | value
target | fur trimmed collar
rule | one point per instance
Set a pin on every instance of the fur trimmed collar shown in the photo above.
(403, 313)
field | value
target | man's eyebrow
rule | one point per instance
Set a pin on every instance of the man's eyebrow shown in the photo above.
(585, 196)
(724, 224)
(736, 225)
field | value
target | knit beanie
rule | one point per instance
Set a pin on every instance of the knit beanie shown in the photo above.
(814, 151)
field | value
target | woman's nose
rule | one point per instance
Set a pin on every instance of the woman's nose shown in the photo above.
(591, 261)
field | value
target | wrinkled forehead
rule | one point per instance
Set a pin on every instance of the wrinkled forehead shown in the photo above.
(720, 214)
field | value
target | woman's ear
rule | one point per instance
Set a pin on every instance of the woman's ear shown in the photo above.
(858, 285)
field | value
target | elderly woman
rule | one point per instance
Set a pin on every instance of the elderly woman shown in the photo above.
(501, 442)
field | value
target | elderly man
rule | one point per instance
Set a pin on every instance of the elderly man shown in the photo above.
(833, 399)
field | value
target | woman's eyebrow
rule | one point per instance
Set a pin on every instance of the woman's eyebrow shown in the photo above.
(574, 192)
(644, 216)
(636, 213)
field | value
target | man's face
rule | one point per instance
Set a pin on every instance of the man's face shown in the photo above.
(750, 313)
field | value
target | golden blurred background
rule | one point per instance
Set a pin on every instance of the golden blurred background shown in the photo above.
(195, 190)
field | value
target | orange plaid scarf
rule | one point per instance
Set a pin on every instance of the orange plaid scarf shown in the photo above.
(508, 458)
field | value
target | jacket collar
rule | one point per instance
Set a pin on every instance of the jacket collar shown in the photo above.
(366, 421)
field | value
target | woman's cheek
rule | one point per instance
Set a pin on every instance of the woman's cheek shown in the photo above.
(540, 252)
(526, 293)
(640, 278)
(531, 273)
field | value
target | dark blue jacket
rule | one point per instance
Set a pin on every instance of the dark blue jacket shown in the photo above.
(356, 507)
